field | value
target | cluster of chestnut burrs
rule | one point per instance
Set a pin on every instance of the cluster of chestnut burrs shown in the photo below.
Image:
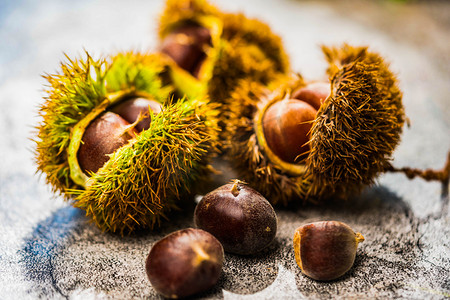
(126, 136)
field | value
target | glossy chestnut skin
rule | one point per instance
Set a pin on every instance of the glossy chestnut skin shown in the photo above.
(184, 263)
(314, 93)
(104, 135)
(239, 217)
(131, 108)
(287, 124)
(186, 46)
(325, 250)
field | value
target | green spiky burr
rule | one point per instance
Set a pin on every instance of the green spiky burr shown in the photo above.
(142, 180)
(351, 137)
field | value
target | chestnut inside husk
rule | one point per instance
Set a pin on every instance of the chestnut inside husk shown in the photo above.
(286, 126)
(137, 108)
(187, 45)
(103, 136)
(113, 129)
(287, 123)
(314, 93)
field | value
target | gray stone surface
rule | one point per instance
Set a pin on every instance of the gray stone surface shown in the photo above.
(49, 250)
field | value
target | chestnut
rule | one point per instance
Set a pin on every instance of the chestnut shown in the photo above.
(314, 93)
(184, 263)
(130, 110)
(325, 250)
(239, 217)
(186, 46)
(104, 135)
(286, 126)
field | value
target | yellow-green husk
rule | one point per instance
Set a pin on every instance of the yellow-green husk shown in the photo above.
(142, 180)
(242, 48)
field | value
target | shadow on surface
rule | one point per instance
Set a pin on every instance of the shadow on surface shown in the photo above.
(47, 239)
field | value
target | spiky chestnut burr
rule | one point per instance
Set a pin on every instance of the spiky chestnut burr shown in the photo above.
(184, 263)
(240, 47)
(351, 140)
(143, 178)
(325, 250)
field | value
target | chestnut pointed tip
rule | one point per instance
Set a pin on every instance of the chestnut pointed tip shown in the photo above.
(235, 188)
(138, 111)
(359, 237)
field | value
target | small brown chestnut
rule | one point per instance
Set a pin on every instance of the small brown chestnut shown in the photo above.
(184, 263)
(186, 46)
(314, 93)
(130, 110)
(104, 135)
(325, 250)
(239, 217)
(286, 125)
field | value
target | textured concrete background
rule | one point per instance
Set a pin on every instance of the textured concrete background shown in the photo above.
(47, 248)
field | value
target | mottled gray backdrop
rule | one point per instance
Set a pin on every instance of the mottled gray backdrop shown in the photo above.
(49, 250)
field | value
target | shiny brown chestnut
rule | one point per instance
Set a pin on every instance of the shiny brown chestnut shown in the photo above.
(239, 217)
(314, 93)
(104, 135)
(131, 109)
(184, 263)
(186, 46)
(325, 250)
(286, 125)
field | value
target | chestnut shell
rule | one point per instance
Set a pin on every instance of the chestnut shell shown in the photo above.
(184, 263)
(186, 46)
(239, 217)
(325, 250)
(314, 93)
(287, 124)
(104, 135)
(131, 108)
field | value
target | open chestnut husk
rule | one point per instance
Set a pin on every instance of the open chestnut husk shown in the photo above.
(325, 250)
(239, 217)
(350, 141)
(91, 152)
(184, 263)
(236, 48)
